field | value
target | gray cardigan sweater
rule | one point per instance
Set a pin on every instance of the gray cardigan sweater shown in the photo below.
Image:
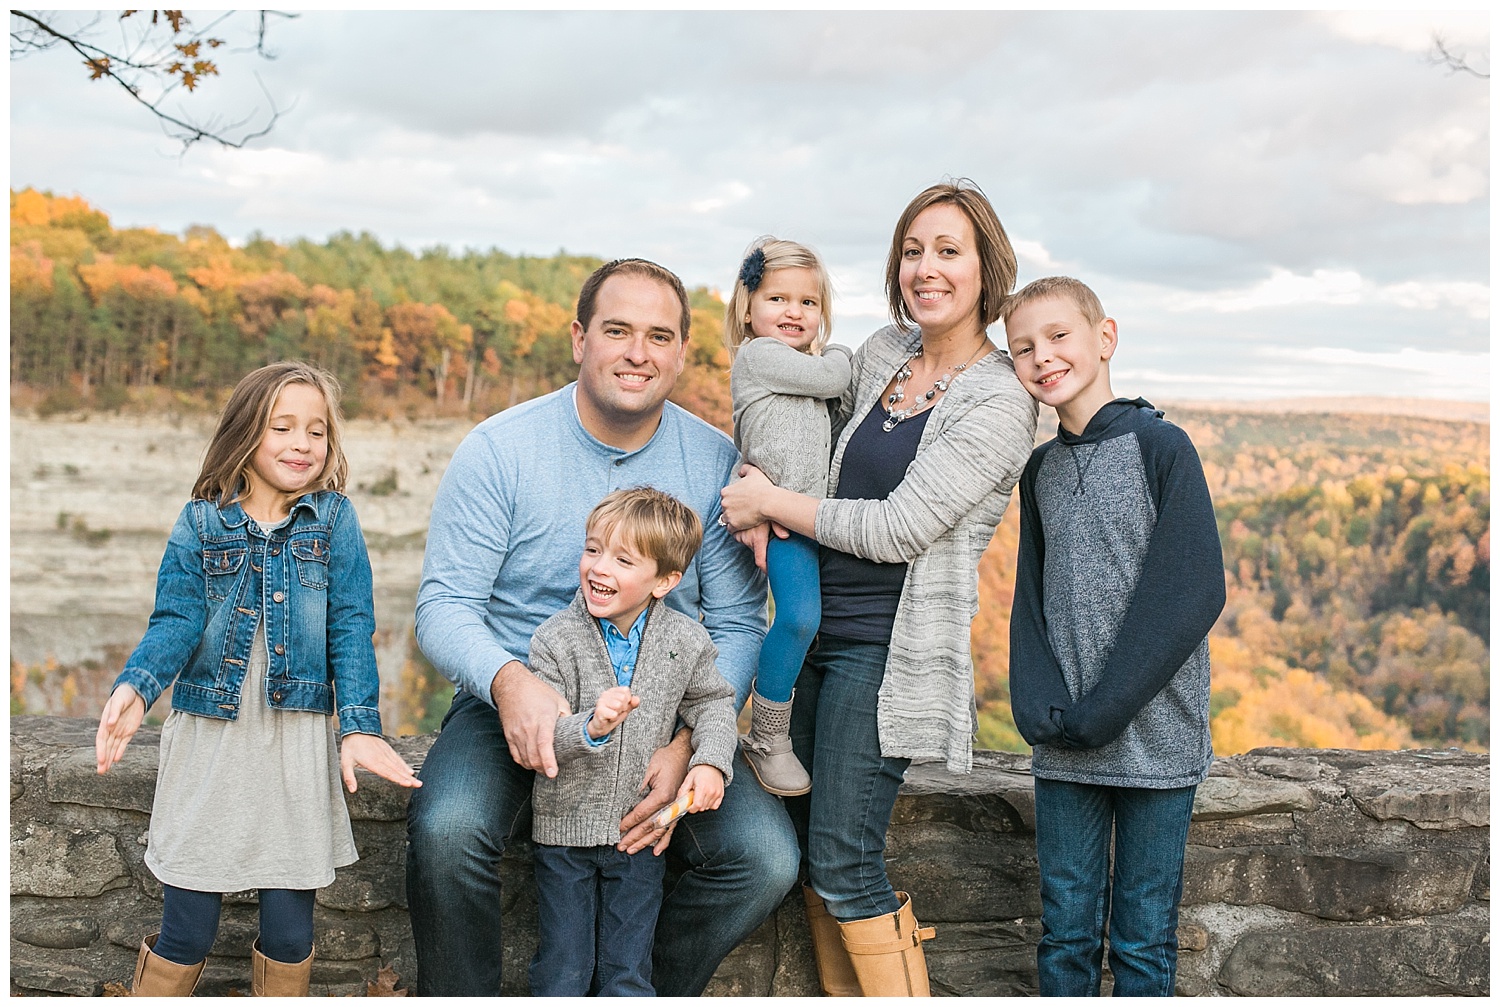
(674, 676)
(939, 522)
(780, 417)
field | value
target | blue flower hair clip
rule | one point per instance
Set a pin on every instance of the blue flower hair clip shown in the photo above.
(753, 269)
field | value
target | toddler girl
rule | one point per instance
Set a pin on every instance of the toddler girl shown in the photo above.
(264, 613)
(777, 326)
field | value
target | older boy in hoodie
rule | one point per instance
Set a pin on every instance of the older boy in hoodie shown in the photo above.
(1119, 578)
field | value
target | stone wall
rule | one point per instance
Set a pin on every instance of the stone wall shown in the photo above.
(1308, 873)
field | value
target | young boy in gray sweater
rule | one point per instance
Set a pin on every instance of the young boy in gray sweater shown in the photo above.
(1119, 578)
(632, 667)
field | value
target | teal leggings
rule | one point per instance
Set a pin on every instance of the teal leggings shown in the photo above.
(792, 566)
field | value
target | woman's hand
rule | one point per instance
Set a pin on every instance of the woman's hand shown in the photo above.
(122, 716)
(374, 753)
(758, 538)
(744, 500)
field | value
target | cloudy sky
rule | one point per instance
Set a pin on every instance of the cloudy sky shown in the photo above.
(1272, 204)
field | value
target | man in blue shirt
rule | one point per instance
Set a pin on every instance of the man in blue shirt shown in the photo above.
(502, 548)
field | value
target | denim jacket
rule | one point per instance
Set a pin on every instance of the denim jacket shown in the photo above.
(309, 579)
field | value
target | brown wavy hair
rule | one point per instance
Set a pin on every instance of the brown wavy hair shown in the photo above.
(997, 260)
(243, 425)
(651, 522)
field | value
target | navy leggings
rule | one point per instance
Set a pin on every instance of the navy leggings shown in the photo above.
(190, 922)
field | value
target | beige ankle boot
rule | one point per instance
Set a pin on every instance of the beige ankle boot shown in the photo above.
(835, 973)
(886, 952)
(157, 977)
(768, 748)
(271, 978)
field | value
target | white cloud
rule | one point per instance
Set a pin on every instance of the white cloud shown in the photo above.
(1034, 254)
(1283, 288)
(1410, 31)
(1446, 164)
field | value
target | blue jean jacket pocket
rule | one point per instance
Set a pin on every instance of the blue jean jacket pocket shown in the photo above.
(219, 569)
(311, 557)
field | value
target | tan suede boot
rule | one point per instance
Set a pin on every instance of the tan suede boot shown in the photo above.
(157, 977)
(886, 952)
(835, 973)
(768, 748)
(271, 978)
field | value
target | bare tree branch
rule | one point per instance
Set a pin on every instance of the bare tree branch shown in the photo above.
(1441, 55)
(173, 61)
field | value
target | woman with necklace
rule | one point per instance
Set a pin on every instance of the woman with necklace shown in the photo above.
(929, 440)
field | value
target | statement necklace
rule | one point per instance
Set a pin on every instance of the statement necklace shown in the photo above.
(898, 390)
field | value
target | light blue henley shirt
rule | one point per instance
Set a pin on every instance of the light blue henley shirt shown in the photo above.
(507, 530)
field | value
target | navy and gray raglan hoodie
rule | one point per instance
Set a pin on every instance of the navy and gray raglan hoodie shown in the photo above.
(1120, 576)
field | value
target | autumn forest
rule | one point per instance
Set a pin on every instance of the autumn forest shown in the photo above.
(1356, 548)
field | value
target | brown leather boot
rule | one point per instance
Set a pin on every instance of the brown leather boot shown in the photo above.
(835, 973)
(157, 977)
(886, 952)
(271, 978)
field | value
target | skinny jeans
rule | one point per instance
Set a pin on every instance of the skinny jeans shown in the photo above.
(190, 923)
(843, 821)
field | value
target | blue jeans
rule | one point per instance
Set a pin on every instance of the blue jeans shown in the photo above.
(834, 733)
(735, 863)
(792, 566)
(190, 922)
(596, 917)
(1074, 824)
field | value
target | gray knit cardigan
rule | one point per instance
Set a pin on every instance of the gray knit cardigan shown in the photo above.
(675, 675)
(938, 521)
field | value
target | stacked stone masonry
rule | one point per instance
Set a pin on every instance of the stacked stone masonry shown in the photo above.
(1309, 873)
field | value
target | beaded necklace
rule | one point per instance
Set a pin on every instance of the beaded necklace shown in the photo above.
(898, 389)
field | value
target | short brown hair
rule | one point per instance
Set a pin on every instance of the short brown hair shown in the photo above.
(1076, 291)
(654, 523)
(632, 267)
(243, 425)
(779, 254)
(997, 260)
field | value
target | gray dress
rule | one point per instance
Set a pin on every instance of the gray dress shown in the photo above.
(255, 802)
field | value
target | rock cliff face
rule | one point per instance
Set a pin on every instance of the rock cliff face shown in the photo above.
(1309, 873)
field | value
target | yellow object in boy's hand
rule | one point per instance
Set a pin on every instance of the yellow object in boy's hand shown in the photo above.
(666, 816)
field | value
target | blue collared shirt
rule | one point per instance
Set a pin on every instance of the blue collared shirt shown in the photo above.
(623, 650)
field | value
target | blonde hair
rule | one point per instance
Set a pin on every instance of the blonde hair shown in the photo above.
(997, 260)
(1076, 291)
(243, 425)
(653, 523)
(780, 254)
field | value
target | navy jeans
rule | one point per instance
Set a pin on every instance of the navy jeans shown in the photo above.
(845, 817)
(1080, 905)
(596, 916)
(732, 866)
(190, 922)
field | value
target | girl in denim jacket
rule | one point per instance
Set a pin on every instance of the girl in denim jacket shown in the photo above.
(264, 613)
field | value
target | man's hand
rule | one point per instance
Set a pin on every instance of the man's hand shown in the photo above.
(664, 776)
(610, 711)
(374, 753)
(122, 716)
(707, 786)
(528, 709)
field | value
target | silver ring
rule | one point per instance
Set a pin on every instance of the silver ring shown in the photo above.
(722, 522)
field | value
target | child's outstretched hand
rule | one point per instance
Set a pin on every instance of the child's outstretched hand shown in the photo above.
(122, 716)
(374, 753)
(707, 787)
(610, 711)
